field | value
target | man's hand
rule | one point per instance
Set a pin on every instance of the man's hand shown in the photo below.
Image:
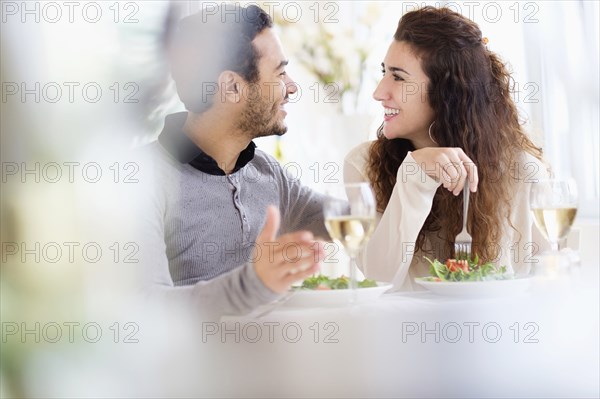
(451, 166)
(281, 261)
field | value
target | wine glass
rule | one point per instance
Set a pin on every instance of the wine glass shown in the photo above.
(553, 203)
(350, 219)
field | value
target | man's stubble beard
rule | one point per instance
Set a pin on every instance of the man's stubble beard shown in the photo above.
(258, 119)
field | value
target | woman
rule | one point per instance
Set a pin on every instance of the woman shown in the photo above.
(449, 117)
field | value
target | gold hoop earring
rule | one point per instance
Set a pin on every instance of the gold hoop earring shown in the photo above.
(430, 137)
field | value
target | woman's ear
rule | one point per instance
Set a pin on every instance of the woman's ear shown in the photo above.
(229, 83)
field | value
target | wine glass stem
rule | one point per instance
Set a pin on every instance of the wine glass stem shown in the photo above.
(353, 283)
(554, 246)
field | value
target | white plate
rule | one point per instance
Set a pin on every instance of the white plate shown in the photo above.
(329, 298)
(477, 289)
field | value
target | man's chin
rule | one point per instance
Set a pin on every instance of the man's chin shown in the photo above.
(283, 130)
(275, 131)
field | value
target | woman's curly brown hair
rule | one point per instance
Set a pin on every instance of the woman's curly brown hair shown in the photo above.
(470, 93)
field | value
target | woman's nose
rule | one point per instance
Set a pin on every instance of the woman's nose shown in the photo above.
(381, 93)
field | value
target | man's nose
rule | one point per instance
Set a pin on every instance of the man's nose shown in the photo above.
(291, 86)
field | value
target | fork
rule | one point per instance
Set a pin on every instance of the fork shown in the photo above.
(463, 241)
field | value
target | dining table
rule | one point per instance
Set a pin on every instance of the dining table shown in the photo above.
(542, 341)
(538, 340)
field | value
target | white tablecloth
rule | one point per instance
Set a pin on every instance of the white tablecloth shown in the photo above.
(543, 343)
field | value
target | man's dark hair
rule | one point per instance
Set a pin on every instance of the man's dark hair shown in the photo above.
(211, 41)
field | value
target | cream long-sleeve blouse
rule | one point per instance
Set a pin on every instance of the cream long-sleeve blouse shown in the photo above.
(390, 254)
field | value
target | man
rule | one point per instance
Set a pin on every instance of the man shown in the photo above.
(212, 233)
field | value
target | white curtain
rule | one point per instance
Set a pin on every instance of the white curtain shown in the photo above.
(562, 59)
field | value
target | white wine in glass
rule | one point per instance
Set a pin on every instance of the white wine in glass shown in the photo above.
(554, 206)
(351, 232)
(350, 219)
(554, 223)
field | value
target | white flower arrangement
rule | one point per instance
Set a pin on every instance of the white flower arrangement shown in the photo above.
(333, 50)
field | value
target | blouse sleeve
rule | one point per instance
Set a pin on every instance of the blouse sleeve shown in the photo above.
(389, 252)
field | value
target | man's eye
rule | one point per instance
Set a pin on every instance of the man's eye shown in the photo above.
(283, 73)
(383, 71)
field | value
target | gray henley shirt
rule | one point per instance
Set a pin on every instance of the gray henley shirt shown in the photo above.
(200, 228)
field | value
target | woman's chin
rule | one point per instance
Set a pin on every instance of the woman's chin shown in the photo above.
(389, 133)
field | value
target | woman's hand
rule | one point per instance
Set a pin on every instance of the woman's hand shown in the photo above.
(281, 261)
(450, 166)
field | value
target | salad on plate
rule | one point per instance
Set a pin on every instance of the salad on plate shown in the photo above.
(324, 283)
(323, 291)
(470, 279)
(465, 270)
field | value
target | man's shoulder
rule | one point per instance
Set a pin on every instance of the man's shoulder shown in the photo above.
(156, 166)
(154, 154)
(266, 163)
(262, 157)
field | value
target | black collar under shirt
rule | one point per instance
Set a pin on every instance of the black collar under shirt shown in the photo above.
(183, 149)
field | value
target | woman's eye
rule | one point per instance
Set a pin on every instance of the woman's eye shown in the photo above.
(398, 78)
(283, 73)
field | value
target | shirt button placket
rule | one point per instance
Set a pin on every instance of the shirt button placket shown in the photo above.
(240, 207)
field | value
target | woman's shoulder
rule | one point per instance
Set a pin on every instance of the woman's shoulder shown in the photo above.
(359, 154)
(525, 156)
(527, 167)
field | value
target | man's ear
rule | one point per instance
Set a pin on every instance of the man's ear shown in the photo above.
(231, 87)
